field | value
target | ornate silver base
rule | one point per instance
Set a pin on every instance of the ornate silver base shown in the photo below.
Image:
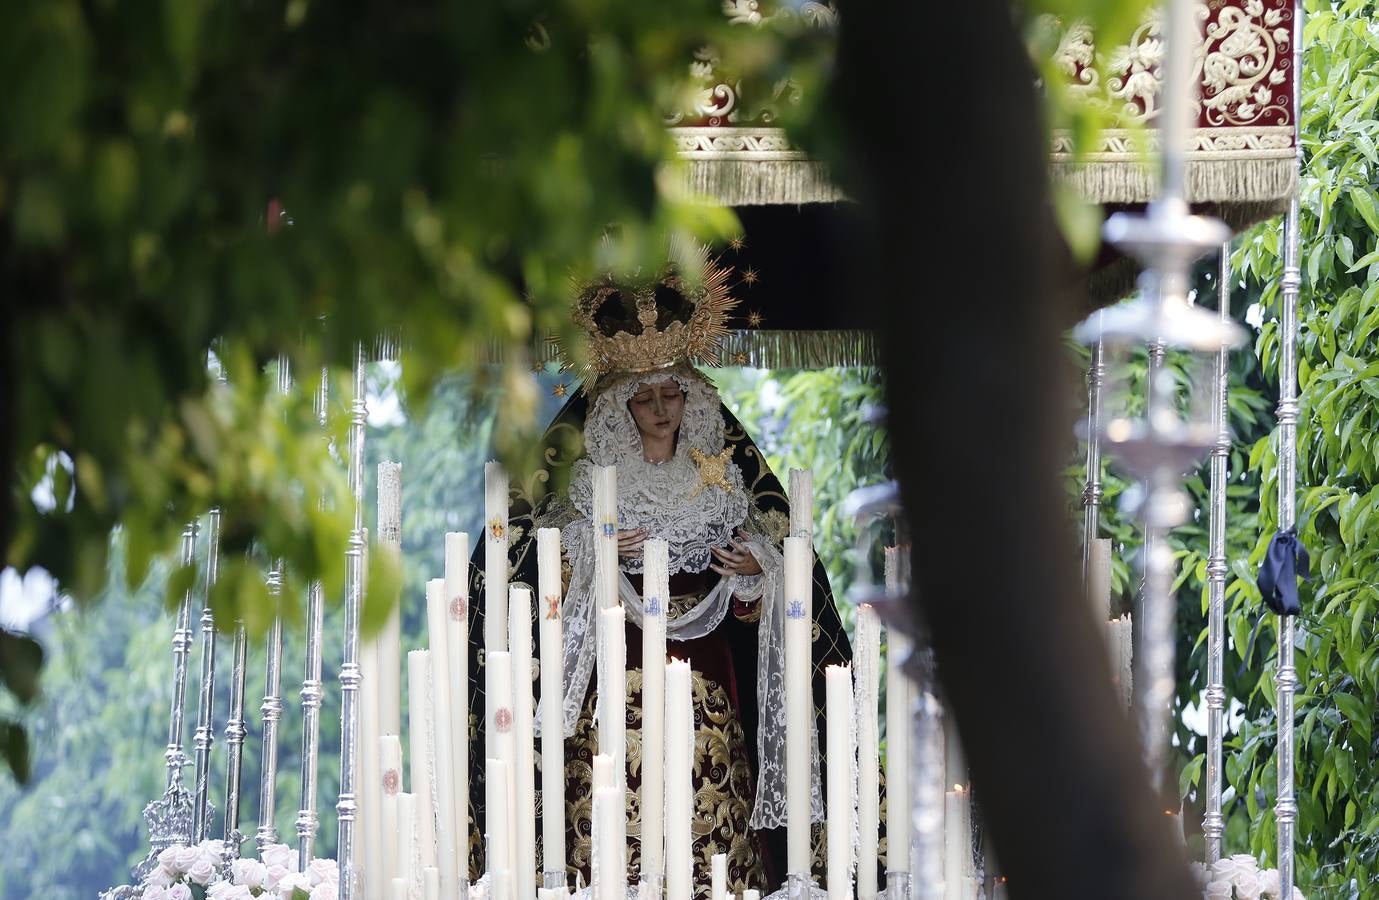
(898, 886)
(652, 887)
(555, 880)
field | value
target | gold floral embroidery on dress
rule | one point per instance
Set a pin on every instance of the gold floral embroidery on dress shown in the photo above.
(723, 785)
(771, 523)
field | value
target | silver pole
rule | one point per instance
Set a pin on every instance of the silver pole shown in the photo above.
(1212, 824)
(307, 819)
(181, 650)
(1286, 676)
(1093, 492)
(272, 707)
(349, 668)
(205, 735)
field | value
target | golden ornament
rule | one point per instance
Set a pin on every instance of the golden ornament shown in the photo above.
(713, 469)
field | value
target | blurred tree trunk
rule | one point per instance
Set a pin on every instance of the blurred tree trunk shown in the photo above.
(963, 258)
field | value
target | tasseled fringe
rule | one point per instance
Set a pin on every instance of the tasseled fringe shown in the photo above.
(762, 349)
(734, 182)
(1219, 180)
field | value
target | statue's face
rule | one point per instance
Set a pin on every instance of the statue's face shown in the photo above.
(658, 409)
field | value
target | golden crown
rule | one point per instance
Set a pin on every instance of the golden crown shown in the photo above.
(645, 324)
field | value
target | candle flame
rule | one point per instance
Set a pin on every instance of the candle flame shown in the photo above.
(959, 789)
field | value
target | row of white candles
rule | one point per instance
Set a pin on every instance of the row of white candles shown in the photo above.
(431, 854)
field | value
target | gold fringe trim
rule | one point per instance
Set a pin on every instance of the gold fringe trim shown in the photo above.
(734, 182)
(1208, 180)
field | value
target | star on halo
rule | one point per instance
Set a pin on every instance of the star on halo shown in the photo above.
(740, 358)
(754, 319)
(737, 243)
(560, 390)
(750, 275)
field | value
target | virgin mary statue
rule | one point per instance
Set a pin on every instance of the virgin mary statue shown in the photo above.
(689, 474)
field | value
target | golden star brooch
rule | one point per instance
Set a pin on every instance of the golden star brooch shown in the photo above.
(713, 469)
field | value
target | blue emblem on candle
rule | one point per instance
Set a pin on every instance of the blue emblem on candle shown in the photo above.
(796, 610)
(609, 529)
(653, 606)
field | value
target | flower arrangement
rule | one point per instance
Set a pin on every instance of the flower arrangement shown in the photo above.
(1239, 877)
(202, 873)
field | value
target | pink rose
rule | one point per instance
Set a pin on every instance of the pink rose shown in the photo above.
(179, 892)
(154, 892)
(202, 872)
(279, 855)
(323, 870)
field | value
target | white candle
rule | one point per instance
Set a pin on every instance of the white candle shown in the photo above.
(523, 727)
(389, 750)
(605, 482)
(399, 889)
(802, 503)
(457, 646)
(867, 654)
(420, 721)
(612, 700)
(496, 820)
(612, 706)
(753, 894)
(840, 783)
(438, 637)
(799, 705)
(679, 783)
(406, 842)
(655, 595)
(502, 794)
(607, 812)
(898, 701)
(552, 702)
(431, 883)
(718, 876)
(957, 837)
(390, 637)
(495, 580)
(1098, 577)
(368, 814)
(499, 886)
(550, 894)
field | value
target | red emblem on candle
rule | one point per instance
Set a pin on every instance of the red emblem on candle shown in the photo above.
(458, 608)
(502, 719)
(553, 606)
(391, 782)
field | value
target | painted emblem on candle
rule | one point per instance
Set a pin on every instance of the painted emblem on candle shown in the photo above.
(391, 782)
(458, 608)
(553, 606)
(653, 606)
(502, 719)
(497, 529)
(610, 529)
(795, 610)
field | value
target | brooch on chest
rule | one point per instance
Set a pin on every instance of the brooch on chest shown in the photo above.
(713, 469)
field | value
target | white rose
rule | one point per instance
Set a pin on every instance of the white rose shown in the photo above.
(187, 857)
(1245, 862)
(326, 890)
(1268, 882)
(210, 848)
(203, 872)
(273, 875)
(168, 858)
(1247, 885)
(323, 870)
(1218, 890)
(248, 872)
(1224, 869)
(291, 882)
(179, 892)
(239, 892)
(160, 876)
(154, 892)
(279, 855)
(219, 890)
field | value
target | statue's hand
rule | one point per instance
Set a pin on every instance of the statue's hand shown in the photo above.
(630, 541)
(735, 559)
